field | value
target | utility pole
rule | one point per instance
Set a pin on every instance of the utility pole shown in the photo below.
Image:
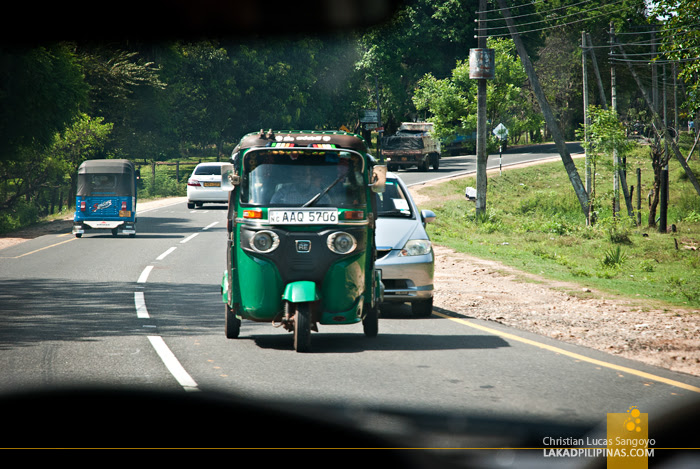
(586, 117)
(663, 196)
(616, 157)
(379, 121)
(481, 68)
(552, 124)
(601, 89)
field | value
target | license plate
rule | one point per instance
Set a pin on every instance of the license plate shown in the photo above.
(303, 216)
(212, 184)
(124, 213)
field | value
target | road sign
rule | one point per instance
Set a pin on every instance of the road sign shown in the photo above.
(501, 132)
(369, 116)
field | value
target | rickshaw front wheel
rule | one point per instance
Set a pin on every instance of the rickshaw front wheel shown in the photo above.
(302, 327)
(233, 324)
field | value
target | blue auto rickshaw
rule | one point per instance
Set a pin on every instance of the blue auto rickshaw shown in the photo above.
(106, 197)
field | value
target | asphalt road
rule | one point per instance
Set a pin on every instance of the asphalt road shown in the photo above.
(147, 311)
(451, 166)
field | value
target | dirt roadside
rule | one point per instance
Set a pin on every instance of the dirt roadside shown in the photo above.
(482, 289)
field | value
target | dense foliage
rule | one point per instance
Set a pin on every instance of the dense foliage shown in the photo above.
(62, 103)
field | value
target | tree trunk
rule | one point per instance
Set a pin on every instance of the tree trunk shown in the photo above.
(658, 161)
(659, 125)
(579, 187)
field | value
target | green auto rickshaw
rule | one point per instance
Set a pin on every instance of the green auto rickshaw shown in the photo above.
(301, 220)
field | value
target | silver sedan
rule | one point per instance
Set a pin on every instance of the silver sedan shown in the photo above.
(404, 251)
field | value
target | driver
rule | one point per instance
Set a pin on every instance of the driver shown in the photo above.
(310, 183)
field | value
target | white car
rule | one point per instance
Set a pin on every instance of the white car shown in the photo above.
(204, 185)
(404, 251)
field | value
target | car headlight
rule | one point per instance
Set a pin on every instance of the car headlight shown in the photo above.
(342, 243)
(264, 241)
(415, 247)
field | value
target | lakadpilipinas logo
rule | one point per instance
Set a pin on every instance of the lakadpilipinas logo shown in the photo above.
(628, 444)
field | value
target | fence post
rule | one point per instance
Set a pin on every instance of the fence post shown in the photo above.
(639, 196)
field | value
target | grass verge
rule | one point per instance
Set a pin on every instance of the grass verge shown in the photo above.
(534, 223)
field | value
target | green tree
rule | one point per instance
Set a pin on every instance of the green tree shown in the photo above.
(680, 39)
(85, 139)
(424, 37)
(123, 89)
(202, 93)
(41, 91)
(606, 145)
(451, 102)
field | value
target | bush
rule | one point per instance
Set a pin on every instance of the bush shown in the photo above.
(164, 186)
(24, 213)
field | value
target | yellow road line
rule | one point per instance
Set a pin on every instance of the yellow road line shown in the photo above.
(577, 356)
(40, 249)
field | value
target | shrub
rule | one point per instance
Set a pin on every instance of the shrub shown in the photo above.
(614, 257)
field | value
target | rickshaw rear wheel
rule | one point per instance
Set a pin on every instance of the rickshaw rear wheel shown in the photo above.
(232, 327)
(370, 323)
(302, 327)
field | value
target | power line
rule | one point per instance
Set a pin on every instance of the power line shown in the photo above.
(652, 62)
(660, 52)
(597, 8)
(538, 29)
(529, 14)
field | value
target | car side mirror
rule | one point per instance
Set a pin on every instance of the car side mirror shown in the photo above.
(229, 178)
(428, 216)
(378, 178)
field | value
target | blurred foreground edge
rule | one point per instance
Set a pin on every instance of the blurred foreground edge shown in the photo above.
(187, 19)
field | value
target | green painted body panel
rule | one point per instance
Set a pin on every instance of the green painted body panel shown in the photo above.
(260, 293)
(343, 284)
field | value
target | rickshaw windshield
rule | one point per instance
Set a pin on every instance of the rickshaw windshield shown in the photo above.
(298, 179)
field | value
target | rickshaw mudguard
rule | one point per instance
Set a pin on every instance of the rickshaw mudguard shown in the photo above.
(300, 292)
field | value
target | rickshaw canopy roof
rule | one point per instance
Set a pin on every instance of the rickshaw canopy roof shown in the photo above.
(341, 140)
(106, 167)
(99, 177)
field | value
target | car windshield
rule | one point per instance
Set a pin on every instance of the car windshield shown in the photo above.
(559, 295)
(393, 201)
(333, 179)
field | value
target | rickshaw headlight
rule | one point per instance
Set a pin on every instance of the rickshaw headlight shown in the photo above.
(342, 243)
(264, 241)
